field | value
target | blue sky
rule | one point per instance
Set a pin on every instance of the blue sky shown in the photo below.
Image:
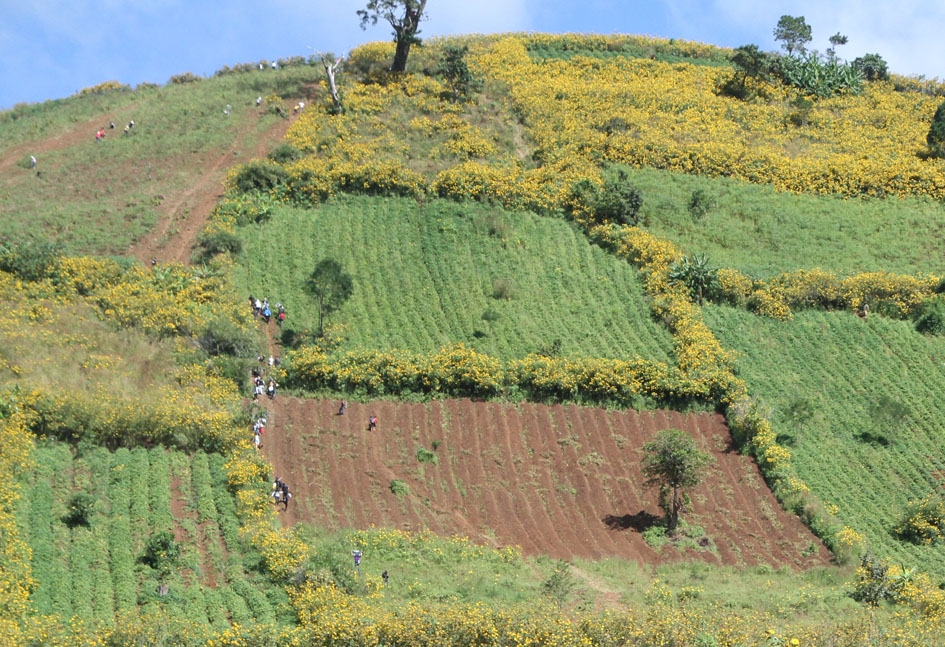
(51, 49)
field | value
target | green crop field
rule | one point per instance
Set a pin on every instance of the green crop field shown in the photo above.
(824, 374)
(762, 232)
(428, 276)
(96, 572)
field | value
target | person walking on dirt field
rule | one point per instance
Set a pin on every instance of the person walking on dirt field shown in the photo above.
(372, 423)
(343, 408)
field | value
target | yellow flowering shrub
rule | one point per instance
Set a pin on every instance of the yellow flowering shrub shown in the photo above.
(16, 582)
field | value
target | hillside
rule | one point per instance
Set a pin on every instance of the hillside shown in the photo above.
(499, 324)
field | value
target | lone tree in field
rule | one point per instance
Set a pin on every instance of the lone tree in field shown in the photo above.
(404, 16)
(794, 33)
(330, 286)
(674, 463)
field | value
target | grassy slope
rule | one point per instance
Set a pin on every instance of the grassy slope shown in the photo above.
(425, 276)
(100, 197)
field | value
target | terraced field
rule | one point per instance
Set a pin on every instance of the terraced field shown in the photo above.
(562, 481)
(505, 283)
(844, 368)
(95, 573)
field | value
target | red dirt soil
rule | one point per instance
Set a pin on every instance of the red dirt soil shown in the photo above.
(562, 481)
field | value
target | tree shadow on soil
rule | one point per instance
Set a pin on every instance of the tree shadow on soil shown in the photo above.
(638, 522)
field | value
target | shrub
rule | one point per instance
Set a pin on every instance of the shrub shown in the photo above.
(31, 261)
(930, 317)
(503, 289)
(211, 243)
(222, 336)
(259, 175)
(936, 136)
(399, 488)
(872, 67)
(924, 522)
(186, 77)
(699, 204)
(285, 153)
(617, 200)
(80, 509)
(424, 455)
(161, 552)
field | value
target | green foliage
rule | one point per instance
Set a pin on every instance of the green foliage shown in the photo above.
(872, 66)
(822, 78)
(673, 463)
(696, 275)
(616, 200)
(424, 455)
(259, 175)
(873, 583)
(212, 243)
(930, 317)
(793, 33)
(936, 136)
(399, 488)
(750, 63)
(223, 336)
(700, 203)
(186, 77)
(923, 522)
(79, 512)
(456, 74)
(31, 261)
(330, 286)
(162, 552)
(561, 584)
(285, 153)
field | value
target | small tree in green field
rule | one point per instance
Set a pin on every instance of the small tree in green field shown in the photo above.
(674, 463)
(330, 286)
(794, 33)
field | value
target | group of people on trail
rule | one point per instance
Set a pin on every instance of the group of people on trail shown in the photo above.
(280, 493)
(259, 428)
(261, 386)
(263, 310)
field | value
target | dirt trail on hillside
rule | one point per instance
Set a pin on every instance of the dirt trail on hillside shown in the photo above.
(562, 481)
(186, 213)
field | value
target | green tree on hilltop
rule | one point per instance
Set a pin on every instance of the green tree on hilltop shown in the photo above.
(404, 17)
(794, 33)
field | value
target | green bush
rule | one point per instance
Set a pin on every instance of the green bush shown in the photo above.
(924, 522)
(211, 243)
(930, 317)
(399, 488)
(259, 175)
(161, 552)
(222, 336)
(936, 137)
(872, 66)
(285, 153)
(424, 455)
(80, 510)
(31, 261)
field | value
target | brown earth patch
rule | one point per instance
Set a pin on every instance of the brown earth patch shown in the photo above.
(562, 481)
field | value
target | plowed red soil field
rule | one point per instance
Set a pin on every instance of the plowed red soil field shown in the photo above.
(562, 481)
